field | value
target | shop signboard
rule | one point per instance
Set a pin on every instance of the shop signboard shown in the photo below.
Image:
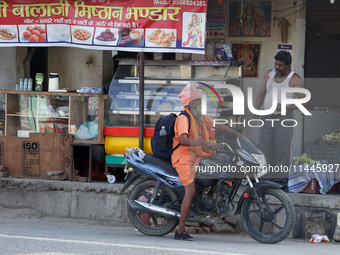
(132, 25)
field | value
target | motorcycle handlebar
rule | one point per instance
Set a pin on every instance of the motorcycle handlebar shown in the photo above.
(220, 145)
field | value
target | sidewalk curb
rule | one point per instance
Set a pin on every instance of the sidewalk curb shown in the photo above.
(101, 201)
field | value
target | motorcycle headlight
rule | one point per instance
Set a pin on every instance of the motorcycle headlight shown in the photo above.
(261, 159)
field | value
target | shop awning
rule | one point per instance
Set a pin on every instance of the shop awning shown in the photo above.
(126, 25)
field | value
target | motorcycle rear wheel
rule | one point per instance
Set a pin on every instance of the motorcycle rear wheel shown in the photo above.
(151, 225)
(279, 221)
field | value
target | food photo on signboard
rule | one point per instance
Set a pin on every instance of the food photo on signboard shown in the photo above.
(29, 33)
(58, 33)
(160, 37)
(131, 37)
(82, 35)
(8, 33)
(106, 36)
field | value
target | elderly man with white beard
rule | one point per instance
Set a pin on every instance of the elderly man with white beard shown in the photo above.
(192, 142)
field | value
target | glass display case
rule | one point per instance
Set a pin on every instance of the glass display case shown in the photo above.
(164, 81)
(79, 114)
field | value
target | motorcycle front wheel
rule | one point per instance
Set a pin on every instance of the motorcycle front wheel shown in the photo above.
(278, 221)
(151, 225)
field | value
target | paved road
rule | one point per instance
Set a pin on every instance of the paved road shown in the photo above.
(27, 233)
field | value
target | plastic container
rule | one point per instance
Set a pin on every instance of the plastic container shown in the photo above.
(25, 84)
(39, 79)
(38, 86)
(21, 84)
(30, 84)
(53, 82)
(117, 144)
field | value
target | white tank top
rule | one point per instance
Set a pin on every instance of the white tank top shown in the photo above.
(268, 100)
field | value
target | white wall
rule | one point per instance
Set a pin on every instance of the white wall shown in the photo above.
(8, 68)
(11, 69)
(77, 67)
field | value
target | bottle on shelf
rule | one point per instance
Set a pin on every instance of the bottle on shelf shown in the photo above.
(30, 84)
(21, 84)
(163, 139)
(25, 84)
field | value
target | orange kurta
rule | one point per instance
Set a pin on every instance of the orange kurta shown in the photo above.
(185, 158)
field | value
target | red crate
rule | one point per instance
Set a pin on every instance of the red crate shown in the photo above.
(313, 187)
(335, 188)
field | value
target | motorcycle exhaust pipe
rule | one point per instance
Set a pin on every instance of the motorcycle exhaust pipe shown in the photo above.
(153, 209)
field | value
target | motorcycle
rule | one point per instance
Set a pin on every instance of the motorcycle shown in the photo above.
(266, 212)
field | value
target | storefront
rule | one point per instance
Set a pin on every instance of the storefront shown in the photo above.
(82, 61)
(76, 40)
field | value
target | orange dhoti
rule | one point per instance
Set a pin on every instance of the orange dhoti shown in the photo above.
(185, 158)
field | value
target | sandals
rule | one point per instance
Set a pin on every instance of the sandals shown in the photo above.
(183, 236)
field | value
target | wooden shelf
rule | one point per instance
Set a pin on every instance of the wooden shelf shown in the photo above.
(77, 104)
(46, 93)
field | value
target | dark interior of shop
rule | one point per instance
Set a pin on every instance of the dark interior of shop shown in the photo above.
(322, 51)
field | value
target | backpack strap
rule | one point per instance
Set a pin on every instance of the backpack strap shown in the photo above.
(188, 116)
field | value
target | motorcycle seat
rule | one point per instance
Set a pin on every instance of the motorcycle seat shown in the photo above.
(165, 164)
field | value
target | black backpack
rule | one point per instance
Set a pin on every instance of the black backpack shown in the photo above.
(163, 148)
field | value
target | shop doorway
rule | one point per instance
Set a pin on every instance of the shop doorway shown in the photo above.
(322, 63)
(322, 69)
(322, 39)
(322, 55)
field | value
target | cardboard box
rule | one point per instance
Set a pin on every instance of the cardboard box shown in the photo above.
(36, 155)
(313, 187)
(24, 133)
